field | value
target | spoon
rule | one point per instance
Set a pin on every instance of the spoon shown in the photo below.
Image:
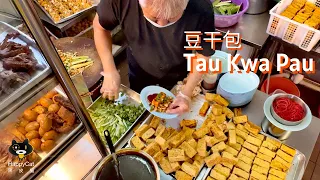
(113, 152)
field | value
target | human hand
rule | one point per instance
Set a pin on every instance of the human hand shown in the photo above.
(179, 105)
(111, 85)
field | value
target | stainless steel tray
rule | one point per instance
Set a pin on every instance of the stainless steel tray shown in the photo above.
(36, 76)
(94, 4)
(129, 97)
(63, 138)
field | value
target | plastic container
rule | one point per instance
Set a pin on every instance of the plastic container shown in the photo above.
(281, 83)
(230, 20)
(291, 31)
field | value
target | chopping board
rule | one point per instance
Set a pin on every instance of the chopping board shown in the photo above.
(83, 47)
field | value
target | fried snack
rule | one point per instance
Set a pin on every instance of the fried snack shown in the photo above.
(177, 140)
(204, 109)
(188, 132)
(261, 163)
(267, 152)
(251, 147)
(180, 175)
(152, 149)
(242, 128)
(247, 153)
(165, 165)
(273, 141)
(240, 119)
(241, 134)
(202, 147)
(285, 163)
(231, 151)
(189, 169)
(272, 177)
(222, 170)
(229, 158)
(277, 173)
(240, 173)
(148, 134)
(217, 110)
(213, 159)
(228, 112)
(162, 143)
(189, 151)
(137, 143)
(252, 128)
(226, 164)
(175, 166)
(254, 141)
(149, 141)
(288, 150)
(269, 145)
(312, 23)
(245, 159)
(187, 159)
(237, 112)
(232, 137)
(300, 19)
(278, 165)
(260, 169)
(193, 143)
(188, 123)
(231, 126)
(219, 147)
(141, 130)
(160, 130)
(155, 122)
(166, 133)
(233, 177)
(287, 14)
(242, 165)
(216, 175)
(218, 133)
(220, 119)
(236, 146)
(197, 164)
(199, 158)
(257, 175)
(209, 178)
(239, 140)
(175, 155)
(216, 98)
(284, 156)
(201, 132)
(264, 157)
(158, 156)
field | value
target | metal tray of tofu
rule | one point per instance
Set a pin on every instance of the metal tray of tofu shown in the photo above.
(94, 4)
(129, 97)
(295, 172)
(36, 76)
(62, 138)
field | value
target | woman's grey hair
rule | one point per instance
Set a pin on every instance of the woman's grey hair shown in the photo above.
(165, 9)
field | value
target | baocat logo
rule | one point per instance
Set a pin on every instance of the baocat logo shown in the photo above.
(20, 149)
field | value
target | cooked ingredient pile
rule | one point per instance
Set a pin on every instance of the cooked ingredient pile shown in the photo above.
(73, 63)
(225, 7)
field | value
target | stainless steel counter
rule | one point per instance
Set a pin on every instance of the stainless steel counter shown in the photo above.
(81, 158)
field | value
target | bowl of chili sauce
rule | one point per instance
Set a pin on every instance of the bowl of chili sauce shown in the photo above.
(288, 109)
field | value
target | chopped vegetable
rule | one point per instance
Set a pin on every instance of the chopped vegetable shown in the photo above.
(115, 117)
(225, 7)
(73, 63)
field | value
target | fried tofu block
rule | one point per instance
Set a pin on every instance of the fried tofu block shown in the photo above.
(198, 165)
(231, 126)
(204, 109)
(217, 109)
(272, 177)
(236, 146)
(229, 158)
(165, 134)
(210, 97)
(241, 134)
(267, 152)
(228, 112)
(177, 140)
(160, 130)
(193, 143)
(258, 136)
(149, 141)
(218, 133)
(241, 127)
(189, 151)
(201, 132)
(240, 173)
(284, 156)
(259, 169)
(175, 166)
(165, 165)
(288, 150)
(257, 175)
(172, 135)
(245, 159)
(261, 163)
(216, 175)
(180, 175)
(232, 137)
(273, 141)
(252, 128)
(254, 141)
(242, 165)
(285, 163)
(158, 156)
(240, 119)
(188, 132)
(137, 143)
(220, 100)
(231, 151)
(278, 165)
(162, 143)
(148, 134)
(228, 165)
(211, 141)
(209, 178)
(175, 155)
(219, 147)
(202, 147)
(187, 159)
(264, 157)
(233, 177)
(269, 145)
(278, 173)
(199, 158)
(188, 123)
(220, 119)
(141, 130)
(189, 169)
(237, 112)
(213, 159)
(251, 147)
(155, 122)
(247, 153)
(222, 170)
(239, 139)
(152, 149)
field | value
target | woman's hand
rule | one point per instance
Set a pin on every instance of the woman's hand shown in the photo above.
(111, 85)
(179, 105)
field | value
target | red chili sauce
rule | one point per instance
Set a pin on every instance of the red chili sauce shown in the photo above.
(151, 97)
(288, 109)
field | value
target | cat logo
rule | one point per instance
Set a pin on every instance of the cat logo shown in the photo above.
(20, 149)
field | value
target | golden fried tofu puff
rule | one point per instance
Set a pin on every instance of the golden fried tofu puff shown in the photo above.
(287, 14)
(299, 19)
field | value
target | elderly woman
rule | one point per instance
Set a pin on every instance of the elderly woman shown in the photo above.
(155, 33)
